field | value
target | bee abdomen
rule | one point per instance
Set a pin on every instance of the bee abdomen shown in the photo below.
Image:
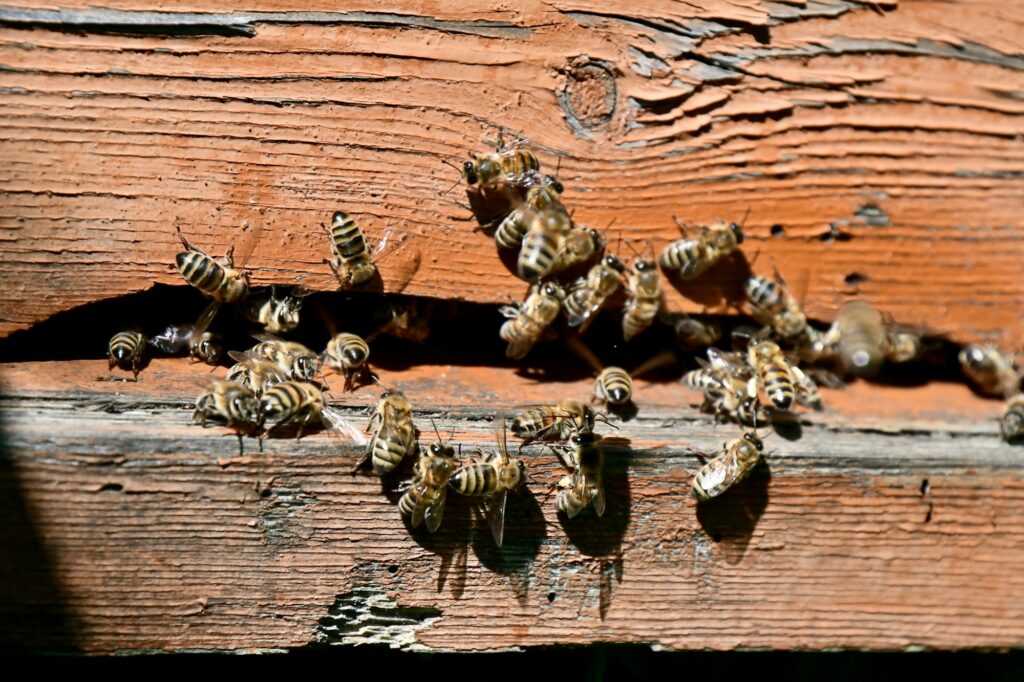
(478, 478)
(511, 231)
(409, 501)
(779, 387)
(764, 293)
(346, 236)
(687, 256)
(201, 271)
(537, 255)
(388, 449)
(281, 401)
(616, 385)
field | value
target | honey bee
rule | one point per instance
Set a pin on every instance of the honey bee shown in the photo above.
(275, 314)
(773, 371)
(217, 279)
(348, 354)
(585, 486)
(555, 422)
(688, 258)
(528, 321)
(991, 371)
(256, 375)
(578, 246)
(299, 362)
(542, 244)
(859, 338)
(352, 263)
(613, 386)
(807, 392)
(586, 296)
(425, 498)
(902, 346)
(728, 383)
(394, 435)
(299, 403)
(692, 332)
(408, 320)
(643, 297)
(735, 462)
(491, 477)
(508, 163)
(230, 403)
(125, 351)
(771, 304)
(541, 196)
(1012, 422)
(204, 346)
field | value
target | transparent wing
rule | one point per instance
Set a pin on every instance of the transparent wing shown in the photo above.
(172, 340)
(435, 512)
(239, 356)
(246, 244)
(205, 319)
(418, 510)
(509, 311)
(337, 424)
(263, 336)
(501, 436)
(494, 512)
(599, 498)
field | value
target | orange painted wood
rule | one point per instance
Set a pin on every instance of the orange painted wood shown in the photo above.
(899, 129)
(132, 530)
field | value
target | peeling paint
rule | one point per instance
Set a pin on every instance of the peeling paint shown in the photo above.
(367, 615)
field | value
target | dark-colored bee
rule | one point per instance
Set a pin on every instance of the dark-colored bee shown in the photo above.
(491, 477)
(352, 263)
(690, 257)
(771, 304)
(125, 351)
(299, 403)
(728, 468)
(217, 279)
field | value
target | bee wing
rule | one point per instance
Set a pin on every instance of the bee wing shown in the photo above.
(720, 359)
(265, 337)
(585, 312)
(239, 356)
(205, 319)
(599, 498)
(172, 340)
(509, 311)
(247, 244)
(337, 424)
(435, 511)
(502, 436)
(494, 512)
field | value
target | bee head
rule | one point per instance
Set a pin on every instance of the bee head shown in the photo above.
(737, 232)
(554, 183)
(614, 263)
(754, 440)
(553, 290)
(441, 450)
(469, 170)
(307, 367)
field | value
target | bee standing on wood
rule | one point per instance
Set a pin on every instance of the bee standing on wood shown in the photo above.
(528, 321)
(542, 243)
(491, 478)
(1012, 422)
(614, 386)
(352, 263)
(348, 354)
(586, 296)
(731, 466)
(544, 195)
(586, 484)
(256, 375)
(125, 351)
(555, 422)
(300, 402)
(991, 371)
(690, 257)
(643, 297)
(394, 435)
(508, 163)
(773, 371)
(425, 498)
(230, 403)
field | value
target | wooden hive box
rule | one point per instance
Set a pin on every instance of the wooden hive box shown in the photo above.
(877, 146)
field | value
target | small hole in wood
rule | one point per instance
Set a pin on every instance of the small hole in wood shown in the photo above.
(778, 230)
(111, 488)
(551, 597)
(928, 516)
(854, 279)
(716, 537)
(924, 487)
(392, 569)
(834, 234)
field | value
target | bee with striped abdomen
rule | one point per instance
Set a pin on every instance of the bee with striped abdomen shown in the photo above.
(299, 362)
(585, 486)
(528, 320)
(555, 422)
(728, 468)
(219, 280)
(1011, 424)
(643, 297)
(586, 296)
(394, 435)
(773, 372)
(256, 375)
(229, 403)
(613, 386)
(990, 370)
(807, 392)
(579, 246)
(542, 243)
(425, 498)
(125, 351)
(299, 403)
(540, 196)
(690, 257)
(491, 477)
(352, 263)
(508, 163)
(348, 354)
(771, 304)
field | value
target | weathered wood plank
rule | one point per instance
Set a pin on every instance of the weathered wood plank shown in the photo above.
(161, 536)
(901, 129)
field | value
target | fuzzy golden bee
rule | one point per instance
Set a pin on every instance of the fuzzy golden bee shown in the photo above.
(424, 500)
(585, 486)
(613, 386)
(579, 246)
(352, 262)
(256, 375)
(586, 296)
(229, 403)
(688, 258)
(555, 422)
(735, 462)
(275, 314)
(990, 370)
(773, 371)
(528, 321)
(347, 353)
(394, 435)
(541, 196)
(126, 350)
(542, 244)
(771, 304)
(297, 361)
(491, 477)
(508, 163)
(643, 298)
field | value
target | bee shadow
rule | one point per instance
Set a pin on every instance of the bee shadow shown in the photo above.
(730, 519)
(602, 536)
(449, 543)
(722, 284)
(787, 426)
(525, 531)
(625, 411)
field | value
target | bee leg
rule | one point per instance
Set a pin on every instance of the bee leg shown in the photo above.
(241, 444)
(362, 462)
(229, 256)
(184, 242)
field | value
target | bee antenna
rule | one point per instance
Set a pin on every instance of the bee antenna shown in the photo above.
(745, 216)
(432, 423)
(632, 248)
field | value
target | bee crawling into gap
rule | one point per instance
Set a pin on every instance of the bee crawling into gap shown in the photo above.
(348, 353)
(491, 477)
(528, 321)
(644, 296)
(424, 499)
(1011, 424)
(125, 350)
(275, 314)
(992, 372)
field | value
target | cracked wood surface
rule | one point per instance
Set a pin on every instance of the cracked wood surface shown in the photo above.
(884, 139)
(892, 523)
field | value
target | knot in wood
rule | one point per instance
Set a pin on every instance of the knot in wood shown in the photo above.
(589, 95)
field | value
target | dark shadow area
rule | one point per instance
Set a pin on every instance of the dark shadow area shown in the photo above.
(730, 519)
(449, 543)
(525, 531)
(601, 536)
(721, 285)
(34, 615)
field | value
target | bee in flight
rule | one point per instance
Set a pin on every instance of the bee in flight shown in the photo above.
(990, 370)
(528, 320)
(736, 460)
(585, 486)
(125, 351)
(555, 422)
(394, 435)
(348, 354)
(1012, 422)
(586, 296)
(643, 297)
(689, 257)
(491, 477)
(424, 500)
(300, 403)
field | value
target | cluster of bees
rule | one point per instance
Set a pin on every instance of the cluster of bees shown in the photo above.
(757, 384)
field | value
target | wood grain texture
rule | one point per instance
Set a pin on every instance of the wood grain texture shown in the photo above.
(139, 532)
(900, 129)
